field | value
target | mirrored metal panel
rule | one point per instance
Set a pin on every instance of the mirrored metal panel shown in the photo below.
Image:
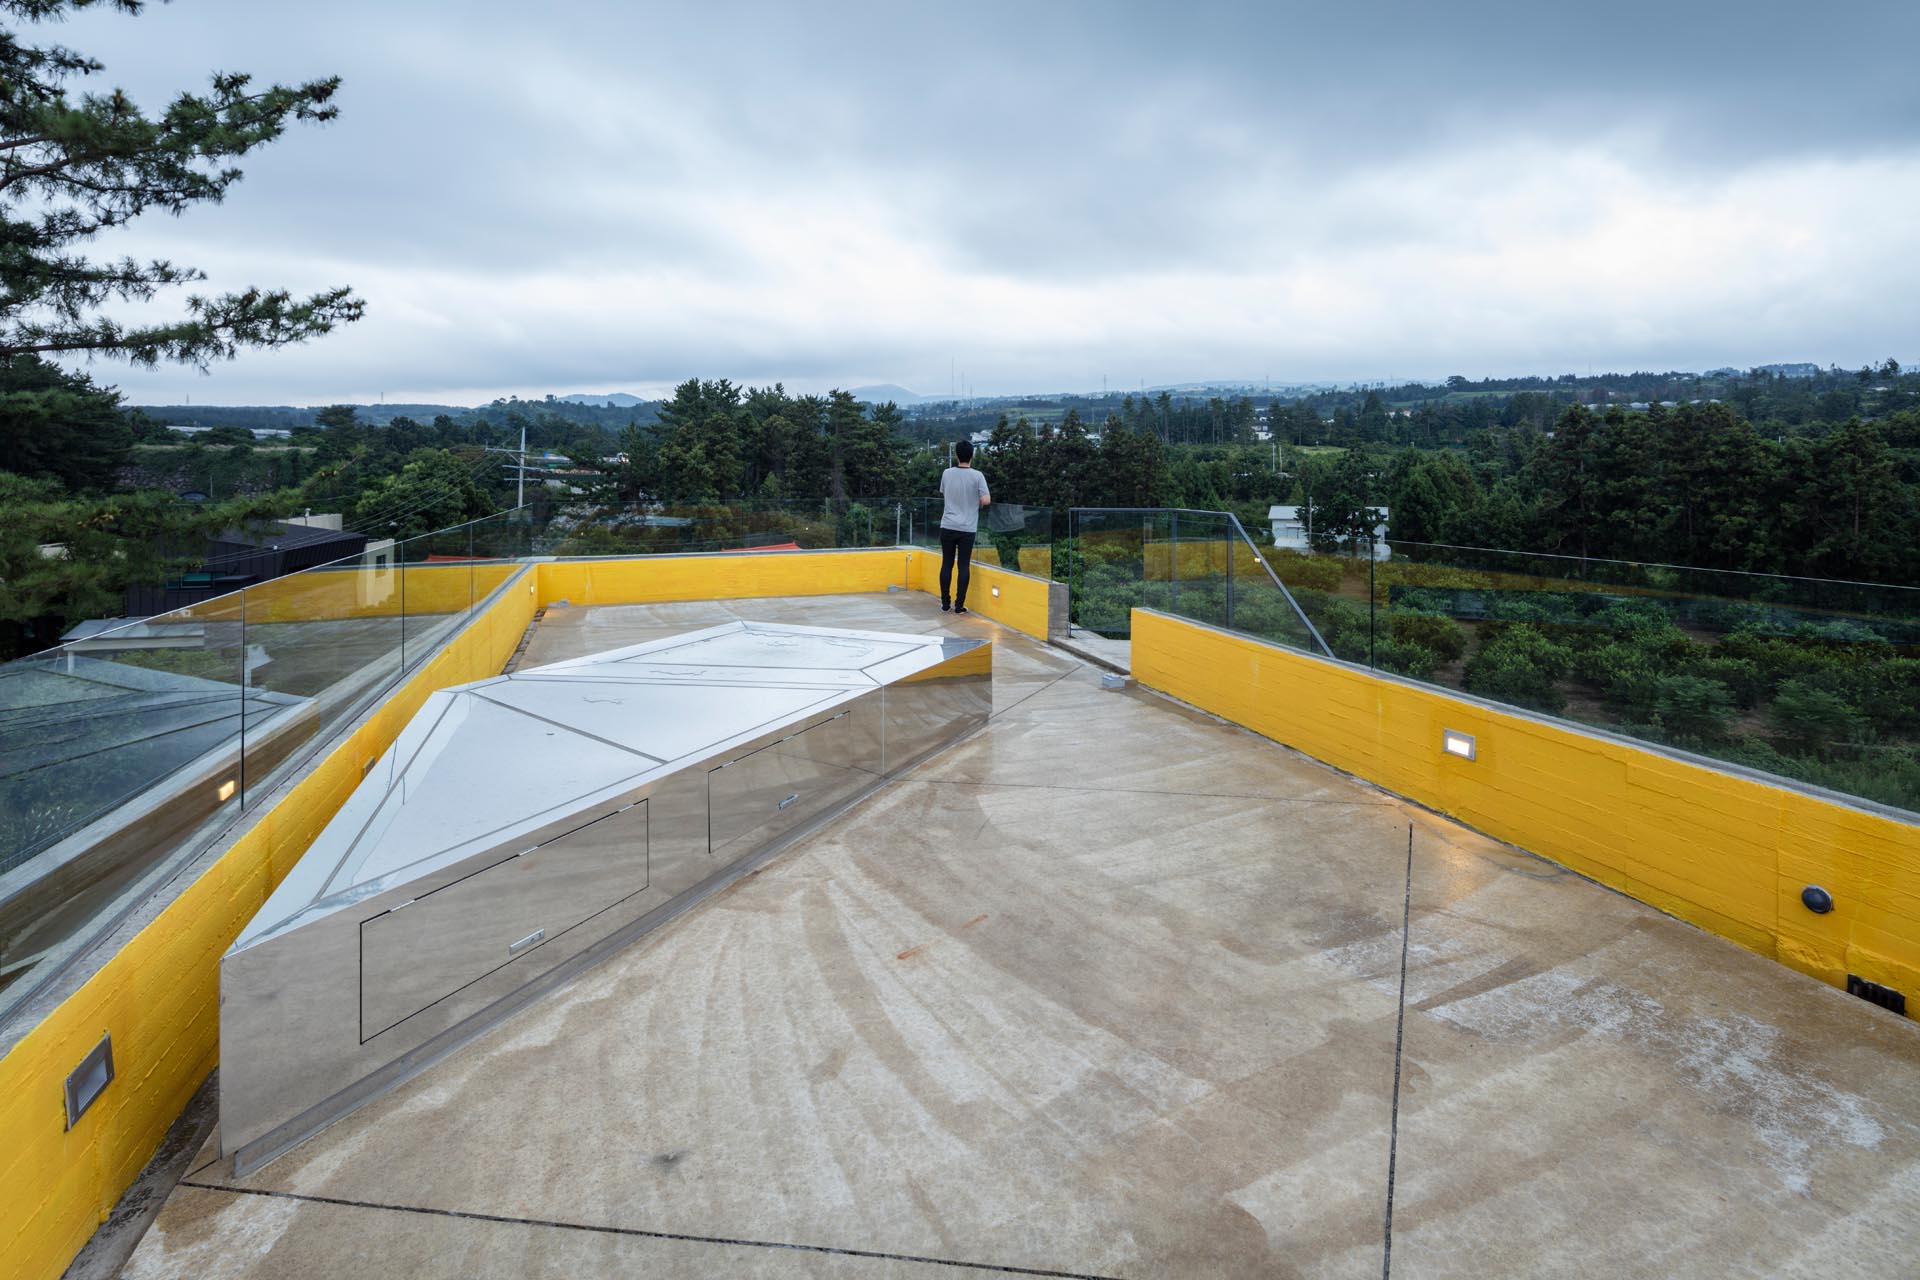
(526, 826)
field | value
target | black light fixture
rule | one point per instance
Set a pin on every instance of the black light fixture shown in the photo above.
(1816, 899)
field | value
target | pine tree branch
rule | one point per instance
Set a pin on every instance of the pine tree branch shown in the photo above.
(219, 329)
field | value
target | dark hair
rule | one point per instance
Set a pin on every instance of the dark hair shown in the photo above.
(963, 450)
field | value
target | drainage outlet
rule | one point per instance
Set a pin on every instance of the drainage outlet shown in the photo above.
(1874, 993)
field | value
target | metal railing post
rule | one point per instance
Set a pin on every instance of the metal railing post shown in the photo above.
(1173, 560)
(1229, 541)
(1073, 568)
(1300, 613)
(246, 680)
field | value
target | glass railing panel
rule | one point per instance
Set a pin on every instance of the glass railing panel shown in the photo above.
(1811, 679)
(1333, 590)
(1258, 604)
(1195, 562)
(434, 594)
(498, 543)
(1011, 535)
(450, 553)
(115, 751)
(329, 641)
(1116, 561)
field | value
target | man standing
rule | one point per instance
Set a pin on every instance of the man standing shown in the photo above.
(965, 492)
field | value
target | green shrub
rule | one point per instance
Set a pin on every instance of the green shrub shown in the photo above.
(1415, 661)
(1443, 637)
(1623, 672)
(1632, 616)
(1522, 666)
(1741, 676)
(1691, 707)
(1298, 570)
(1814, 720)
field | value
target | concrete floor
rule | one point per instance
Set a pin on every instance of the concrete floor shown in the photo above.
(1113, 989)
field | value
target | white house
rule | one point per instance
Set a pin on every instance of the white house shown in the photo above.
(1290, 530)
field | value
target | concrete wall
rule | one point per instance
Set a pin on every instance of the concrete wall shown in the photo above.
(1727, 851)
(159, 995)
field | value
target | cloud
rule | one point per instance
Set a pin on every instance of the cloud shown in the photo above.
(593, 196)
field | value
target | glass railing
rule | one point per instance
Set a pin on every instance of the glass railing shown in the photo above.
(124, 753)
(1810, 679)
(1198, 564)
(1010, 535)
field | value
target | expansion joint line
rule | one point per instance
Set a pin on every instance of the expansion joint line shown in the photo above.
(1399, 1042)
(641, 1233)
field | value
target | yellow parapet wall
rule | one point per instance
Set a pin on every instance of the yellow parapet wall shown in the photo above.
(1727, 851)
(159, 995)
(723, 576)
(1021, 604)
(367, 591)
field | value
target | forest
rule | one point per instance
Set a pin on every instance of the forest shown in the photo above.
(1486, 484)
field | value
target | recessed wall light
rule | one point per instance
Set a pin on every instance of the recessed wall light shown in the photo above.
(996, 593)
(226, 791)
(86, 1082)
(1455, 743)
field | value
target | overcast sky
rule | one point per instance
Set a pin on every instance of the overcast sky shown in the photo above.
(590, 195)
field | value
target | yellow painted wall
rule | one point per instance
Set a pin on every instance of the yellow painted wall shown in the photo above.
(439, 588)
(650, 579)
(159, 996)
(1037, 561)
(1727, 852)
(1021, 604)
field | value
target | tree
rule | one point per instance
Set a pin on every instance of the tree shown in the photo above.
(1849, 515)
(1132, 469)
(434, 490)
(72, 168)
(60, 426)
(1337, 509)
(1564, 474)
(1067, 459)
(344, 434)
(65, 558)
(702, 441)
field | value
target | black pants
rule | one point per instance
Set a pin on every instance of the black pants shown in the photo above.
(950, 542)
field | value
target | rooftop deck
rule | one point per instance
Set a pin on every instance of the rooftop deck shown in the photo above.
(1113, 989)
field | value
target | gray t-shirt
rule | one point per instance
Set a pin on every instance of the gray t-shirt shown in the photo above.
(962, 487)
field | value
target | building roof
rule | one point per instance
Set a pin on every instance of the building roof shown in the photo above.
(287, 537)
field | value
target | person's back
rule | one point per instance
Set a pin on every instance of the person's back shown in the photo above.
(963, 491)
(962, 488)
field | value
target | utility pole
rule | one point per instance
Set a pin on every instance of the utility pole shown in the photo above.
(519, 457)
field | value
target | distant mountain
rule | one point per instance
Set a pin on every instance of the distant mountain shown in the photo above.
(615, 399)
(884, 392)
